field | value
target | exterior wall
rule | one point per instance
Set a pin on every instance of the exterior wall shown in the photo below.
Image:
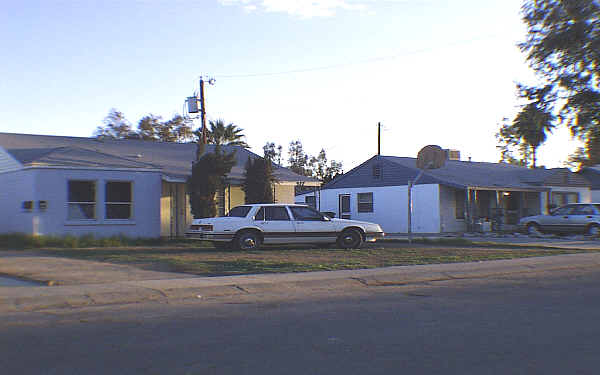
(448, 220)
(237, 197)
(175, 210)
(50, 185)
(585, 194)
(595, 196)
(390, 207)
(284, 193)
(15, 188)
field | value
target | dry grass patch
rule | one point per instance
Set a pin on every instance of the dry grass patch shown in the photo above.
(207, 261)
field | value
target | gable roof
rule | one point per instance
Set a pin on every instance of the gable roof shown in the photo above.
(396, 171)
(174, 160)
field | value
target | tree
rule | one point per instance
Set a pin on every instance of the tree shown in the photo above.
(272, 152)
(177, 129)
(115, 126)
(208, 176)
(509, 143)
(221, 134)
(322, 171)
(148, 127)
(563, 47)
(531, 126)
(258, 181)
(297, 159)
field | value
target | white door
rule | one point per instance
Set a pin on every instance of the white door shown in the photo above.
(275, 223)
(311, 226)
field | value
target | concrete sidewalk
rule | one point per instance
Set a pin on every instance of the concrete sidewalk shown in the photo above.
(13, 299)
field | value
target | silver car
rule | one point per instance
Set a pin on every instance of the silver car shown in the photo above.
(576, 217)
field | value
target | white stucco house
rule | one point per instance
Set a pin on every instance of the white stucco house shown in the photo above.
(460, 196)
(69, 185)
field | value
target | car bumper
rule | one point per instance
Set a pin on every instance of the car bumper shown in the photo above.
(374, 236)
(209, 236)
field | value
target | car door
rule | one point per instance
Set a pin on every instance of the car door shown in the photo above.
(275, 223)
(558, 221)
(312, 226)
(580, 217)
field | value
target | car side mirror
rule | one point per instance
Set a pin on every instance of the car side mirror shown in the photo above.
(329, 214)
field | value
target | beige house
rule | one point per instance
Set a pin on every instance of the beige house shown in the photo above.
(71, 185)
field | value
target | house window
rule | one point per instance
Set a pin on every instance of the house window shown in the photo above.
(311, 201)
(81, 200)
(365, 202)
(118, 200)
(459, 198)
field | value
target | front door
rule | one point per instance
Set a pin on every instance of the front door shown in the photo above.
(344, 206)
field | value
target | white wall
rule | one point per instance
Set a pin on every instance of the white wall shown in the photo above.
(16, 187)
(390, 207)
(50, 185)
(449, 222)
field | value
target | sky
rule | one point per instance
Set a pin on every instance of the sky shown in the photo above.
(324, 72)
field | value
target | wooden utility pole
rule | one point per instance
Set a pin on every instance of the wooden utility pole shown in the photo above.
(379, 138)
(202, 142)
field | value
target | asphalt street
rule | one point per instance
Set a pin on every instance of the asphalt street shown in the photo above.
(531, 323)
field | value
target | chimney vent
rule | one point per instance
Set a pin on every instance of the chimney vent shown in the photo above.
(452, 154)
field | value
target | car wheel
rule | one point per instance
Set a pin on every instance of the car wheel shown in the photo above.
(350, 239)
(247, 241)
(533, 229)
(593, 230)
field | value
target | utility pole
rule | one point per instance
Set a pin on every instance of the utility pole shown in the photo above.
(192, 107)
(378, 138)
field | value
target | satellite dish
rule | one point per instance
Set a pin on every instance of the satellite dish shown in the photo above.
(431, 157)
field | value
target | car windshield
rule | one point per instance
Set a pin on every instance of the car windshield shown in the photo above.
(239, 211)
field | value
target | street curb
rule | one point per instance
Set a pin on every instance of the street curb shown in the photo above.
(20, 299)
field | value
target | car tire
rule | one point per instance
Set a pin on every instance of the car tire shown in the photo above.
(533, 229)
(593, 230)
(350, 239)
(247, 240)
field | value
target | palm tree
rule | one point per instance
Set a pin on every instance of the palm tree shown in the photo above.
(532, 125)
(227, 135)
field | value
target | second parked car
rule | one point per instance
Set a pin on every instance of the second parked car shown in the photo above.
(247, 227)
(576, 217)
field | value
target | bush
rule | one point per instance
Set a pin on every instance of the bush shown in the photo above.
(19, 241)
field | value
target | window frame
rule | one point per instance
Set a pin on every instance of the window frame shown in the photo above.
(264, 209)
(80, 203)
(108, 203)
(370, 205)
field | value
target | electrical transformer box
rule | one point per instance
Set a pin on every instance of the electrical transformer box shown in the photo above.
(192, 103)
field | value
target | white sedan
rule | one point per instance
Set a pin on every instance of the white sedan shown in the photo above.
(247, 227)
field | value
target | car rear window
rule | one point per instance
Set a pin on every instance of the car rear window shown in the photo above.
(239, 211)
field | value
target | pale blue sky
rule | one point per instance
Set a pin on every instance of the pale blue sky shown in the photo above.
(432, 71)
